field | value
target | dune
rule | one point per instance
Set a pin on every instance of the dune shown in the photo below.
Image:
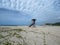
(24, 35)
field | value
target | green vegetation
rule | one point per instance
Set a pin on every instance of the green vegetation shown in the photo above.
(7, 43)
(12, 33)
(1, 36)
(53, 24)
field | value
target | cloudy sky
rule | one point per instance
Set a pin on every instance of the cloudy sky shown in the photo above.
(20, 12)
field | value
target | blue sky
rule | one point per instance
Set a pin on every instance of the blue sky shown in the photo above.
(20, 12)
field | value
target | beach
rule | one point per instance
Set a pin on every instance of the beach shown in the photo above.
(24, 35)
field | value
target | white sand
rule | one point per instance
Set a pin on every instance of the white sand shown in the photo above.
(40, 35)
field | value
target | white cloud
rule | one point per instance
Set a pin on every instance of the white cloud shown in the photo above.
(39, 9)
(58, 18)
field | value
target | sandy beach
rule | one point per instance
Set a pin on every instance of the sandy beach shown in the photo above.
(24, 35)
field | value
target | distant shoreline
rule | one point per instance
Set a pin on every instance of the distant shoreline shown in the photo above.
(27, 26)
